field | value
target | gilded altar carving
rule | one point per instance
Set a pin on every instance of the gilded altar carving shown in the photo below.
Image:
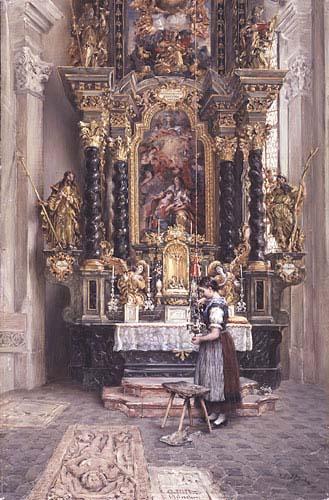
(62, 223)
(226, 147)
(93, 134)
(90, 35)
(60, 265)
(132, 284)
(254, 135)
(256, 41)
(121, 146)
(118, 265)
(291, 271)
(175, 269)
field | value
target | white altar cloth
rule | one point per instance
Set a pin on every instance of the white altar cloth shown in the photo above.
(170, 337)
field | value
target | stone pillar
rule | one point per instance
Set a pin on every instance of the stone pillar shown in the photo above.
(226, 147)
(22, 330)
(296, 137)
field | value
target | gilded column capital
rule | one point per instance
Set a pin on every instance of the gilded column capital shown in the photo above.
(225, 147)
(254, 136)
(92, 134)
(30, 72)
(121, 146)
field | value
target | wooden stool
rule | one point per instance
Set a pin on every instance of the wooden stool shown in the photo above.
(186, 391)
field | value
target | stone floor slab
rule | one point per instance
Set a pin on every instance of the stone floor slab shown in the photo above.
(29, 413)
(98, 463)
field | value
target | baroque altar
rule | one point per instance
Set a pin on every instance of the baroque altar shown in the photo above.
(174, 99)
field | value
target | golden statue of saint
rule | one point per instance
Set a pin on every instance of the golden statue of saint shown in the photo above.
(63, 207)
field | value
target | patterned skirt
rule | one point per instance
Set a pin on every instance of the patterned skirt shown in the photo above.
(217, 368)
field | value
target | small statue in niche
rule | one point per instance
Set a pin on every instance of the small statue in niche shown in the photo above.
(64, 210)
(284, 202)
(256, 41)
(132, 285)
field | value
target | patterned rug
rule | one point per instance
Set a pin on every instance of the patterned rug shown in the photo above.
(96, 463)
(27, 413)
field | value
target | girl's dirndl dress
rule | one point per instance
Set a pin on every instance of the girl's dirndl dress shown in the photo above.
(217, 366)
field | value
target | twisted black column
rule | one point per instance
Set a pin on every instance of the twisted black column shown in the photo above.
(121, 210)
(227, 211)
(93, 209)
(256, 207)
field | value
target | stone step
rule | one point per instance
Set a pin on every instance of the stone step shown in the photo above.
(152, 386)
(147, 398)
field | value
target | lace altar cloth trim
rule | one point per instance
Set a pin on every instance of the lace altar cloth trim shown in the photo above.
(166, 337)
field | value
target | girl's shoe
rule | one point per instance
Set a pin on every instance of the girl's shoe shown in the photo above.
(220, 421)
(212, 416)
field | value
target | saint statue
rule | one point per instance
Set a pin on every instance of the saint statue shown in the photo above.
(283, 203)
(63, 207)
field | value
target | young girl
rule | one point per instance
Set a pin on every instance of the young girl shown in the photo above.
(217, 366)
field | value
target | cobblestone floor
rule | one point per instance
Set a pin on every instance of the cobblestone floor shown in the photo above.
(280, 456)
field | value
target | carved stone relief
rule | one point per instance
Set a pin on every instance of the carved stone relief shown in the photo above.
(31, 72)
(299, 78)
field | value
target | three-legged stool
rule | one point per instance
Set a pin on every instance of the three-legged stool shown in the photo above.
(186, 391)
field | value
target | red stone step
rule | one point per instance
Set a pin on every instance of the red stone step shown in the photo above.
(145, 397)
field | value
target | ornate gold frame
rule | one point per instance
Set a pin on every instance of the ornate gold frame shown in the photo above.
(202, 135)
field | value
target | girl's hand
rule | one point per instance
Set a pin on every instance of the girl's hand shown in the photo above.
(202, 301)
(196, 340)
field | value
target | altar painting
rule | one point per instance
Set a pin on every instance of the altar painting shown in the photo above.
(169, 37)
(171, 176)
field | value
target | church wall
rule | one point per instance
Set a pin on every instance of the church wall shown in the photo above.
(61, 149)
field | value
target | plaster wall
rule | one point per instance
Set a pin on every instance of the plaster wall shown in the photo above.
(61, 153)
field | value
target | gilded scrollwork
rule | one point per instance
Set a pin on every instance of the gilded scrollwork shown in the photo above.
(60, 265)
(121, 146)
(291, 271)
(92, 134)
(255, 135)
(225, 147)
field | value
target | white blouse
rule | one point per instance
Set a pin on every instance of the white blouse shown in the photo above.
(216, 317)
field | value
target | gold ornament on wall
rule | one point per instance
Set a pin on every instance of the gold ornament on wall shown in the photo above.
(290, 271)
(60, 265)
(132, 284)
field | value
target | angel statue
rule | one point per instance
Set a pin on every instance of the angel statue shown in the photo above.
(229, 285)
(132, 284)
(63, 225)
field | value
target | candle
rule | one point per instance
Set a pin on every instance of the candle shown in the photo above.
(206, 269)
(158, 227)
(191, 228)
(241, 275)
(112, 273)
